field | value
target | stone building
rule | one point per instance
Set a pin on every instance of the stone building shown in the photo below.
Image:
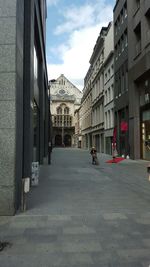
(139, 78)
(93, 101)
(86, 111)
(121, 92)
(65, 100)
(109, 90)
(78, 128)
(23, 96)
(132, 82)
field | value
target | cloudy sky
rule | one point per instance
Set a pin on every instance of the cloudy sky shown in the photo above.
(72, 30)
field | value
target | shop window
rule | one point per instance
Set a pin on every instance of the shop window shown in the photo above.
(35, 64)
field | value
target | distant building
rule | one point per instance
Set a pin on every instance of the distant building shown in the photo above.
(86, 111)
(78, 127)
(23, 96)
(65, 100)
(97, 101)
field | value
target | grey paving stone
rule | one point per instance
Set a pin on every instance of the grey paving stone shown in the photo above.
(134, 254)
(78, 217)
(76, 259)
(144, 221)
(90, 246)
(146, 242)
(114, 216)
(23, 224)
(78, 230)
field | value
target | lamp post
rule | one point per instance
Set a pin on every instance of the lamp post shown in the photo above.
(49, 123)
(49, 126)
(62, 133)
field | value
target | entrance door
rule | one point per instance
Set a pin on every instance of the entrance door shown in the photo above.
(67, 140)
(146, 135)
(58, 140)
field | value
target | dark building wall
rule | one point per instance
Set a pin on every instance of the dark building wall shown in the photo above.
(19, 99)
(28, 86)
(35, 87)
(21, 30)
(121, 94)
(7, 105)
(139, 70)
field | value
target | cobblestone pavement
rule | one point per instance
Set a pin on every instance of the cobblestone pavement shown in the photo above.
(82, 215)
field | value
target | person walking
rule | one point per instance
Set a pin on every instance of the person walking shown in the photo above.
(93, 153)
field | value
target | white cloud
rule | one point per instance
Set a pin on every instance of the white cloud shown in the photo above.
(76, 18)
(52, 2)
(83, 16)
(76, 58)
(83, 26)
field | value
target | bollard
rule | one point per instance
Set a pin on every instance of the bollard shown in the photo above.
(25, 190)
(114, 152)
(148, 170)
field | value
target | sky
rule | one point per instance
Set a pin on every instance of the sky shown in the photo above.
(72, 30)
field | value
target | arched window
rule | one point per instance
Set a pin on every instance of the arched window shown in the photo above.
(59, 110)
(66, 110)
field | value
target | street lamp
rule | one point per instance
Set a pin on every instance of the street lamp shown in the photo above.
(49, 123)
(62, 133)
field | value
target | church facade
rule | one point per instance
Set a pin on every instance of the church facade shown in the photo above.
(65, 100)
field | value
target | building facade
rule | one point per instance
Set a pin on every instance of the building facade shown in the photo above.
(139, 78)
(78, 127)
(97, 63)
(121, 92)
(86, 111)
(109, 90)
(65, 100)
(96, 88)
(23, 96)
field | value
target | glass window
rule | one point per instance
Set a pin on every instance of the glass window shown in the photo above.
(66, 110)
(59, 110)
(35, 63)
(146, 134)
(125, 10)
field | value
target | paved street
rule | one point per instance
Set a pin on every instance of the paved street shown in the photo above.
(82, 215)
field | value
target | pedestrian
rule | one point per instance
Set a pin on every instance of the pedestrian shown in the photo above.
(94, 155)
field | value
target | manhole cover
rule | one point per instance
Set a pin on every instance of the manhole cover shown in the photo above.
(4, 245)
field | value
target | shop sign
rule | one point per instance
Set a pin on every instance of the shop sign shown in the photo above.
(124, 126)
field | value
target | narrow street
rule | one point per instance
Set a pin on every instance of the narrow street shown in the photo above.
(82, 215)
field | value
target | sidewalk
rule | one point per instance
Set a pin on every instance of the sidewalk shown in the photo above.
(82, 215)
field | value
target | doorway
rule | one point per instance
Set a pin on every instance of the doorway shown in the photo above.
(67, 140)
(146, 134)
(58, 140)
